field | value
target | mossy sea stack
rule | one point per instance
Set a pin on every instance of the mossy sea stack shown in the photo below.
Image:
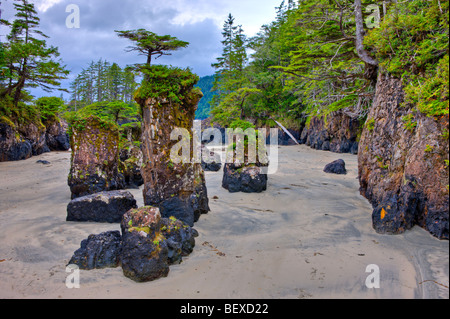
(169, 100)
(95, 157)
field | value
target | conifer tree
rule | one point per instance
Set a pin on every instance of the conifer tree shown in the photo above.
(31, 63)
(150, 44)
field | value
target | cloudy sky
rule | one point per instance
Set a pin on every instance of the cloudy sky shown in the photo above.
(199, 22)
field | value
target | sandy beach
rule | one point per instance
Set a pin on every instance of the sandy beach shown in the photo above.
(308, 236)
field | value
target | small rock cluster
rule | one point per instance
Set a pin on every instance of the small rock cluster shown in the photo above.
(145, 248)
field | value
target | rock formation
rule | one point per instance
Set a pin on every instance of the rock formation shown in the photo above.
(243, 178)
(145, 247)
(245, 174)
(130, 166)
(402, 168)
(19, 142)
(98, 251)
(339, 133)
(57, 137)
(211, 161)
(95, 158)
(180, 239)
(102, 207)
(144, 255)
(336, 167)
(178, 189)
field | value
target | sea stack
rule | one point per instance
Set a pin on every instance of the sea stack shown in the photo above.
(95, 157)
(168, 105)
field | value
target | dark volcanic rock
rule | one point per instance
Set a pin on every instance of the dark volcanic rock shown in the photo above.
(56, 136)
(107, 207)
(336, 167)
(98, 251)
(144, 254)
(247, 179)
(180, 238)
(13, 146)
(19, 142)
(130, 165)
(339, 134)
(284, 138)
(43, 162)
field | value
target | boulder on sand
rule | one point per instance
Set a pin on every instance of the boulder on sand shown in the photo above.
(98, 251)
(144, 254)
(103, 207)
(336, 167)
(247, 179)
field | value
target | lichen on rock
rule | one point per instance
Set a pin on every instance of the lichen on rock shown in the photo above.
(95, 157)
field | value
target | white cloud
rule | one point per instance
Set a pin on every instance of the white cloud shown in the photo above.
(44, 5)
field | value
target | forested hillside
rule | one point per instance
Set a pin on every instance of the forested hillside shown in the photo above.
(205, 84)
(323, 56)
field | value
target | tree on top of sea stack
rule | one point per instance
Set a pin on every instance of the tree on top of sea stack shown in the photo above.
(149, 44)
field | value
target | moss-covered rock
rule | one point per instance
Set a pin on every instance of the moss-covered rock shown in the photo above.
(95, 157)
(167, 105)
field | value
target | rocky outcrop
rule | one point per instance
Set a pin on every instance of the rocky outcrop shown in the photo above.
(102, 207)
(180, 239)
(13, 147)
(285, 139)
(95, 158)
(57, 137)
(403, 164)
(19, 142)
(339, 133)
(98, 251)
(145, 248)
(177, 188)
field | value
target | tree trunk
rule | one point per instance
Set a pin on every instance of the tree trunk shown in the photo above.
(362, 53)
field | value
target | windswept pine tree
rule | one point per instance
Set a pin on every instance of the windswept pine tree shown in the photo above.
(149, 44)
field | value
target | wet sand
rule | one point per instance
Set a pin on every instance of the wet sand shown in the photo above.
(308, 236)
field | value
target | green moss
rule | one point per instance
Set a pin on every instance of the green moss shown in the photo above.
(370, 125)
(6, 120)
(162, 81)
(412, 44)
(139, 229)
